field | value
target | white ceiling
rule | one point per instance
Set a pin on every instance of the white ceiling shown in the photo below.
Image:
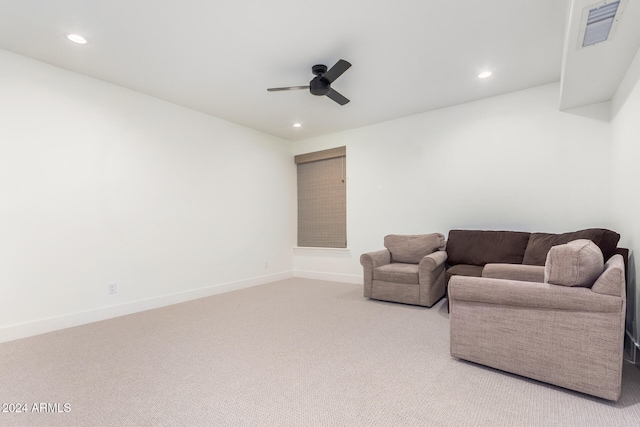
(220, 56)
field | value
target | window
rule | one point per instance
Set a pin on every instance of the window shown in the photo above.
(322, 198)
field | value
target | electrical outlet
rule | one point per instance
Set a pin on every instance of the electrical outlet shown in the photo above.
(266, 265)
(113, 288)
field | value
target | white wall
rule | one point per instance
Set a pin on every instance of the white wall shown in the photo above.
(510, 162)
(100, 184)
(626, 179)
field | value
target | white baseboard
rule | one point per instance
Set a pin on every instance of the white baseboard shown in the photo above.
(41, 326)
(331, 277)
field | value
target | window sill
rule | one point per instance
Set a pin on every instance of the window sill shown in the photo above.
(327, 252)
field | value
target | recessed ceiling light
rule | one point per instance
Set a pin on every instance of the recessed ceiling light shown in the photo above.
(76, 38)
(484, 74)
(297, 125)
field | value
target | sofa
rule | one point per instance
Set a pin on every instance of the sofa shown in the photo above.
(496, 253)
(410, 270)
(566, 329)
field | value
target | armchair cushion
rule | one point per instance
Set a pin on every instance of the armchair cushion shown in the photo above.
(411, 249)
(397, 273)
(577, 263)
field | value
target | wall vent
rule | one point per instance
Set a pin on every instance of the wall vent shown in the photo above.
(599, 21)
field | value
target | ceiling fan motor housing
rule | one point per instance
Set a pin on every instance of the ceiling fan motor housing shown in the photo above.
(319, 69)
(319, 86)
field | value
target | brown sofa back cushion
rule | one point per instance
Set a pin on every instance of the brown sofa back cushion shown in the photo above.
(540, 243)
(480, 247)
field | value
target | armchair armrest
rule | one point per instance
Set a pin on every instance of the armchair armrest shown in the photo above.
(432, 261)
(369, 261)
(531, 295)
(525, 273)
(431, 277)
(375, 259)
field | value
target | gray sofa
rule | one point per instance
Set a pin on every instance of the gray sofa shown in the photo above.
(566, 329)
(410, 270)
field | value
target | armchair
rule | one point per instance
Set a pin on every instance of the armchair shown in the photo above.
(410, 270)
(567, 330)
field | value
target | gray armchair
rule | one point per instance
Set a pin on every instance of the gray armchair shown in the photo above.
(410, 270)
(567, 330)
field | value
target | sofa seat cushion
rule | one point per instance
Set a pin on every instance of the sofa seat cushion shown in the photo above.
(480, 247)
(411, 248)
(540, 243)
(463, 270)
(397, 273)
(523, 273)
(577, 263)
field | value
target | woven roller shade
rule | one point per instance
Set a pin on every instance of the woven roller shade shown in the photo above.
(322, 200)
(321, 155)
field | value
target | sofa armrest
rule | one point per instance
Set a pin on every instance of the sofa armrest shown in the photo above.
(525, 273)
(530, 295)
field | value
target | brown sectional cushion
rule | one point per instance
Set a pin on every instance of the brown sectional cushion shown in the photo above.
(540, 243)
(577, 263)
(480, 247)
(463, 270)
(411, 248)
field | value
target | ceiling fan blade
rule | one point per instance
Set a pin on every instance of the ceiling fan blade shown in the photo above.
(276, 89)
(336, 96)
(336, 71)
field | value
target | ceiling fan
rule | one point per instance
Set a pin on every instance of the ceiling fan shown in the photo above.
(321, 83)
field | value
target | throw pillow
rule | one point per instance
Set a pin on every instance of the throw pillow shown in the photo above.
(577, 263)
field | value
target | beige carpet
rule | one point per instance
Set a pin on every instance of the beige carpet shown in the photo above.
(291, 353)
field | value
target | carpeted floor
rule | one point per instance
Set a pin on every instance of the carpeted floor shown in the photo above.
(292, 353)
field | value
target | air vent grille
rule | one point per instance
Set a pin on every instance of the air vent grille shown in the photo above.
(599, 23)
